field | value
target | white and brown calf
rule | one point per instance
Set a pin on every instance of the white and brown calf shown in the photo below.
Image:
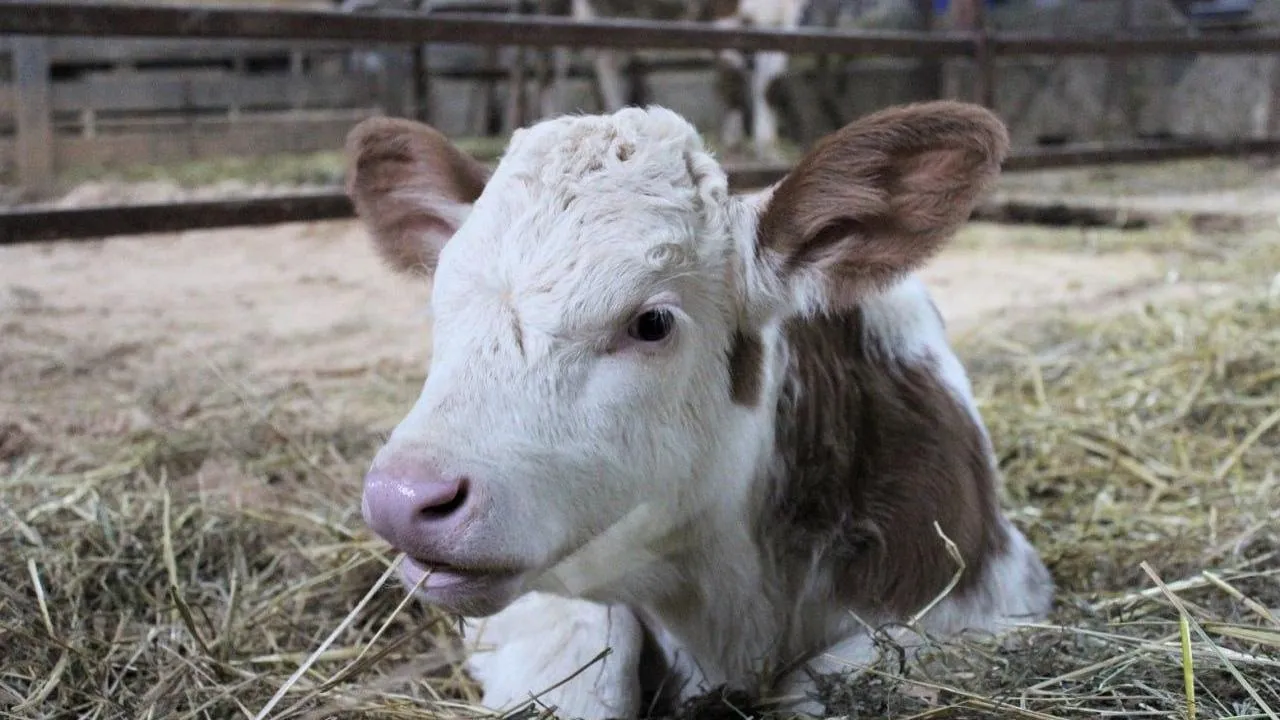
(713, 433)
(765, 68)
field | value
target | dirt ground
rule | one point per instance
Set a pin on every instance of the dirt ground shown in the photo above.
(313, 298)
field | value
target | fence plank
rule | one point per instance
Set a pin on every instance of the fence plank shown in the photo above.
(247, 136)
(101, 19)
(170, 91)
(34, 119)
(22, 225)
(86, 50)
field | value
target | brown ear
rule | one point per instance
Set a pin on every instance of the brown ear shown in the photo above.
(877, 198)
(411, 187)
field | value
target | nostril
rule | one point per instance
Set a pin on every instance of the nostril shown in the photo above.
(445, 506)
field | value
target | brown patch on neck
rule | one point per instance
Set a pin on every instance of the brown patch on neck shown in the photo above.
(874, 451)
(746, 367)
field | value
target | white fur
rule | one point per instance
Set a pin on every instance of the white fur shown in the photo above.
(620, 479)
(547, 650)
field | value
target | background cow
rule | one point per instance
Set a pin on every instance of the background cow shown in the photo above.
(744, 82)
(721, 435)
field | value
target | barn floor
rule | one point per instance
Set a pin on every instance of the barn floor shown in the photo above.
(184, 421)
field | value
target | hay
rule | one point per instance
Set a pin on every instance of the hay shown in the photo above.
(1141, 449)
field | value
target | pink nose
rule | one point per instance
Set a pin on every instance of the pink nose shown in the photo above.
(416, 512)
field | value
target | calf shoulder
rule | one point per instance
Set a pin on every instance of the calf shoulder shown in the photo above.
(880, 452)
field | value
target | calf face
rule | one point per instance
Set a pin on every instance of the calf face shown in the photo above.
(596, 299)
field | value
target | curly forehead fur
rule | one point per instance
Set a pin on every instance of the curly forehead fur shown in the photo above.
(595, 211)
(640, 160)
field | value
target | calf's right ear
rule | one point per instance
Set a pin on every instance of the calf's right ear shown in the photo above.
(411, 188)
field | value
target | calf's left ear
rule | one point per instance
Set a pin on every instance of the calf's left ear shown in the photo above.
(411, 187)
(875, 200)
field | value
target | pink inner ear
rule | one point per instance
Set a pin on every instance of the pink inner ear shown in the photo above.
(877, 198)
(934, 187)
(411, 187)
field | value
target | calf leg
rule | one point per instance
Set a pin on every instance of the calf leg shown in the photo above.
(543, 645)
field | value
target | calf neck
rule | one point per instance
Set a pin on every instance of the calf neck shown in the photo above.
(719, 434)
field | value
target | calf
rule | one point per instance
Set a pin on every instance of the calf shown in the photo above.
(721, 435)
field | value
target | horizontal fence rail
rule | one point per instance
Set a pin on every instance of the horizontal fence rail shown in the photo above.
(104, 19)
(37, 224)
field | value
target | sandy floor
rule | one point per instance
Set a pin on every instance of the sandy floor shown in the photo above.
(89, 322)
(314, 298)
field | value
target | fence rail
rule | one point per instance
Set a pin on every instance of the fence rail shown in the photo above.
(103, 19)
(92, 223)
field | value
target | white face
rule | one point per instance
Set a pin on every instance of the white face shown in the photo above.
(583, 315)
(587, 296)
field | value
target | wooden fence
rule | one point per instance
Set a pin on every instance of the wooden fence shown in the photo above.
(77, 102)
(53, 117)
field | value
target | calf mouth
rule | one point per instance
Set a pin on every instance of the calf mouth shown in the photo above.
(473, 592)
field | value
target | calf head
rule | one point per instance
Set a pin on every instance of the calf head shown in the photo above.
(591, 296)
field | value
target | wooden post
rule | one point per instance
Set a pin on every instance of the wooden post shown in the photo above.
(985, 86)
(33, 114)
(421, 84)
(395, 81)
(1117, 89)
(514, 114)
(927, 79)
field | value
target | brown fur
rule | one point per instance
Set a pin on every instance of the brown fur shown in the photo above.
(400, 173)
(880, 196)
(872, 452)
(746, 368)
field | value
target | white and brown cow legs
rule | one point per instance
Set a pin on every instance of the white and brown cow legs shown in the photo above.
(768, 67)
(538, 641)
(733, 129)
(612, 85)
(606, 63)
(555, 96)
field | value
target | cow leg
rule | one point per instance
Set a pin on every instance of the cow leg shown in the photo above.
(610, 78)
(729, 71)
(554, 100)
(605, 63)
(768, 67)
(546, 644)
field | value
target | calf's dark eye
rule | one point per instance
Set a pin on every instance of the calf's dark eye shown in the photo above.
(652, 325)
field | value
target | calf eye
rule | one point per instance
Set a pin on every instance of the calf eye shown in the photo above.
(651, 325)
